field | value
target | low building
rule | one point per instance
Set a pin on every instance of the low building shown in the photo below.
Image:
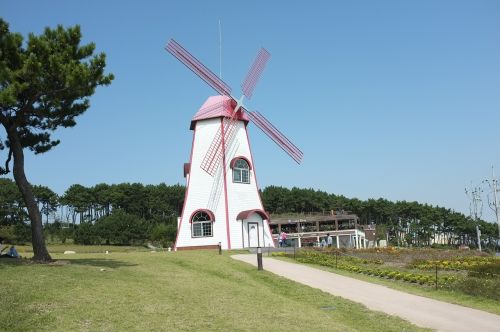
(309, 229)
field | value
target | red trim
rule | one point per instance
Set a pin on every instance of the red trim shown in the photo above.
(187, 168)
(225, 184)
(257, 185)
(187, 191)
(240, 157)
(247, 213)
(210, 213)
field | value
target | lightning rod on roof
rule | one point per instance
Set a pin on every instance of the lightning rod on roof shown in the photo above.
(220, 49)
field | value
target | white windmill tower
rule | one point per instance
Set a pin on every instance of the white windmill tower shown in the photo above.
(222, 202)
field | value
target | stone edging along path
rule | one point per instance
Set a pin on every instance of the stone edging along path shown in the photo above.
(418, 310)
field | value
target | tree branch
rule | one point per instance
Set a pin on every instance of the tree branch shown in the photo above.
(32, 100)
(3, 119)
(6, 170)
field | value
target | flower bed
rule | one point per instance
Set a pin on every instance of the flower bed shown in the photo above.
(347, 263)
(459, 263)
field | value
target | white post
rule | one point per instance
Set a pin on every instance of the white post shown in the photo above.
(495, 204)
(478, 237)
(338, 244)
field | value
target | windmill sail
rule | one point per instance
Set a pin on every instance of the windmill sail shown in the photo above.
(219, 146)
(198, 68)
(255, 72)
(273, 133)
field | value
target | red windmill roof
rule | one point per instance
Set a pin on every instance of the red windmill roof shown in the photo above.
(215, 107)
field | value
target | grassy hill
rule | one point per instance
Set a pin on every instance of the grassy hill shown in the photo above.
(182, 291)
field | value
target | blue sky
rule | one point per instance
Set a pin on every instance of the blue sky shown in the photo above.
(393, 99)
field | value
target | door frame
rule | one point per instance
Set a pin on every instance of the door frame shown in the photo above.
(248, 232)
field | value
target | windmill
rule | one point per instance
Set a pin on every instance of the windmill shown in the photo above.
(220, 141)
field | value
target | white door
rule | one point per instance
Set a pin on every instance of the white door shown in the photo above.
(253, 234)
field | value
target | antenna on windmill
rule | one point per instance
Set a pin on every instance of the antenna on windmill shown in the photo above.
(220, 49)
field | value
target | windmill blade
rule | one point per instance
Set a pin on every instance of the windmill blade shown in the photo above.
(273, 133)
(198, 68)
(254, 73)
(211, 161)
(293, 151)
(213, 157)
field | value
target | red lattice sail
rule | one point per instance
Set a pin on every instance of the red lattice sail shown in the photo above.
(198, 68)
(273, 133)
(219, 146)
(255, 72)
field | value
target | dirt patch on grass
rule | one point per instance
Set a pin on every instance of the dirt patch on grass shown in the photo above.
(60, 262)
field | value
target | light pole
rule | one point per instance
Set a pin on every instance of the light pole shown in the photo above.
(476, 208)
(259, 259)
(493, 201)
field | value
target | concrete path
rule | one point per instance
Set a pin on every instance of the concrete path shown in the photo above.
(419, 310)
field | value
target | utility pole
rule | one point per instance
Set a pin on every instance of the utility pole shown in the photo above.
(494, 185)
(475, 208)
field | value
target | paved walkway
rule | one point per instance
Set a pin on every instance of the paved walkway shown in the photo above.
(419, 310)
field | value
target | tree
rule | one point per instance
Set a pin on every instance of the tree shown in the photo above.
(79, 199)
(103, 198)
(45, 84)
(47, 198)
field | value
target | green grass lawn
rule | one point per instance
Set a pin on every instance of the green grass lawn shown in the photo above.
(182, 291)
(27, 250)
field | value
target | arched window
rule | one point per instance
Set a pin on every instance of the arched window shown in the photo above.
(201, 224)
(241, 171)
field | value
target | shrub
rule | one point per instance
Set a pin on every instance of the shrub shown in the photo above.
(7, 233)
(491, 270)
(22, 233)
(85, 234)
(55, 232)
(163, 234)
(457, 263)
(407, 276)
(121, 228)
(489, 288)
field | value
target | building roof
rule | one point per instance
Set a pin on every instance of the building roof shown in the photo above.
(247, 213)
(215, 107)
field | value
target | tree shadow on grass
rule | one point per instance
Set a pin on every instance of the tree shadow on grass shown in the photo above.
(5, 261)
(96, 262)
(101, 262)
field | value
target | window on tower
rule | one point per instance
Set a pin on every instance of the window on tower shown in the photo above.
(202, 224)
(241, 171)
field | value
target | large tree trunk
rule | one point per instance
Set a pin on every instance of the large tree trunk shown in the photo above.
(38, 242)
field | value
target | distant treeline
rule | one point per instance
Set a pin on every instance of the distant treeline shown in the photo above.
(403, 223)
(135, 213)
(113, 214)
